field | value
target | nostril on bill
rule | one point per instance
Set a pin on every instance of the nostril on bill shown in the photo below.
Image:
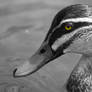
(42, 51)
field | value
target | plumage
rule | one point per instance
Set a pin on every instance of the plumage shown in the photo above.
(80, 79)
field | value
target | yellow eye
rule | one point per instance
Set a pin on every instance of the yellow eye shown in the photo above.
(68, 27)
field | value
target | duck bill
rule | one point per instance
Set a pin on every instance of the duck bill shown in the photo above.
(43, 56)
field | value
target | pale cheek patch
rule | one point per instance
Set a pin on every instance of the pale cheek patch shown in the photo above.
(62, 40)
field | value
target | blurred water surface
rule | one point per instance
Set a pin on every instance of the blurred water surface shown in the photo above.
(23, 26)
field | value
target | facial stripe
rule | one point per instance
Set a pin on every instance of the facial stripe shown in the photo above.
(85, 19)
(61, 40)
(66, 37)
(60, 31)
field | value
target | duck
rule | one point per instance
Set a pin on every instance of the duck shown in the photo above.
(70, 32)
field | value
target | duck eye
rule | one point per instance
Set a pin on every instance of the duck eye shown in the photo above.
(68, 26)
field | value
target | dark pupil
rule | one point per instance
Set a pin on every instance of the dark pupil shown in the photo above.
(68, 26)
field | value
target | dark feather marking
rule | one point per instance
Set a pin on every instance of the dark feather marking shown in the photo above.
(70, 41)
(59, 32)
(73, 11)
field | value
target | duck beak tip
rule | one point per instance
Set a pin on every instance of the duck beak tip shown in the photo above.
(14, 73)
(24, 70)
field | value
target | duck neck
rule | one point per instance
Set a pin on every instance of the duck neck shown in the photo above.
(85, 63)
(85, 59)
(80, 76)
(89, 58)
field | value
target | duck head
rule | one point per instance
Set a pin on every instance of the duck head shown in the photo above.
(70, 32)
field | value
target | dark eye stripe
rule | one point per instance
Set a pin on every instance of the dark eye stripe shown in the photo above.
(60, 31)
